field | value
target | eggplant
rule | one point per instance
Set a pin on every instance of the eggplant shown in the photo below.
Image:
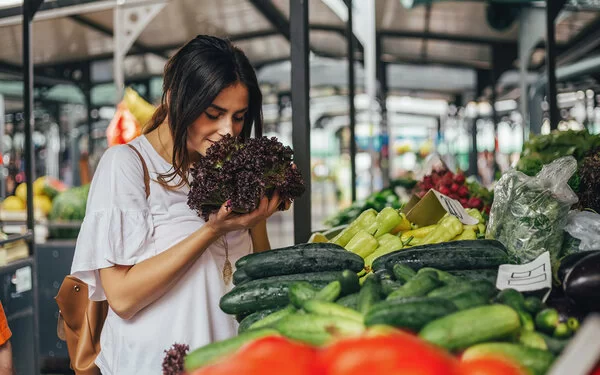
(582, 283)
(567, 263)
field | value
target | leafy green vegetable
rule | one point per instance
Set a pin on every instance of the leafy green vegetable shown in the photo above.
(529, 213)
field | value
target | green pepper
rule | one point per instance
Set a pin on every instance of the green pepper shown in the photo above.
(364, 220)
(467, 234)
(562, 331)
(448, 228)
(385, 221)
(534, 305)
(573, 324)
(362, 244)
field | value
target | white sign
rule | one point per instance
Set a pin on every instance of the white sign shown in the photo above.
(22, 280)
(453, 207)
(535, 275)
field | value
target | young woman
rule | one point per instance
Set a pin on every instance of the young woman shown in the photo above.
(162, 268)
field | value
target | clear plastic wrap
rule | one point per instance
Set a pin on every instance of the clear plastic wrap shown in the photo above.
(529, 213)
(585, 227)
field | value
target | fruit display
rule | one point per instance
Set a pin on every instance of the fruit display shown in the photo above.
(240, 172)
(45, 189)
(69, 206)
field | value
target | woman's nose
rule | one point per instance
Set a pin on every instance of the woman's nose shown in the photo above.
(227, 126)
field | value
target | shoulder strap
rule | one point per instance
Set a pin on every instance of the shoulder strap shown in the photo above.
(146, 174)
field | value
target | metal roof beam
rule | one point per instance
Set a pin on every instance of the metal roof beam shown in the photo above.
(446, 37)
(274, 16)
(84, 21)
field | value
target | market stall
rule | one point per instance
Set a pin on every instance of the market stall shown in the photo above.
(431, 243)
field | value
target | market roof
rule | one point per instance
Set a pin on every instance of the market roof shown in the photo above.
(448, 34)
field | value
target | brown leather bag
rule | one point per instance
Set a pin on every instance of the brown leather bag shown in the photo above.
(80, 320)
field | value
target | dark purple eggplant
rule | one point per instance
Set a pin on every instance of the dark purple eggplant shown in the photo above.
(582, 283)
(567, 263)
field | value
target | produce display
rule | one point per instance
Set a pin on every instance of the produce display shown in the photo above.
(240, 172)
(543, 149)
(69, 206)
(455, 186)
(440, 303)
(530, 213)
(45, 189)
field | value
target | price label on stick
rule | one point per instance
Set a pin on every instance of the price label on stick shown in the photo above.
(528, 277)
(453, 207)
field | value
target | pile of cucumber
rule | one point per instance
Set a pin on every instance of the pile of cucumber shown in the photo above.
(445, 293)
(262, 280)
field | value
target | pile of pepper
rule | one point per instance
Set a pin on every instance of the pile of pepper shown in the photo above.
(374, 234)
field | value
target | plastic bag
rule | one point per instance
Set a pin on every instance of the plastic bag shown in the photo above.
(529, 213)
(585, 227)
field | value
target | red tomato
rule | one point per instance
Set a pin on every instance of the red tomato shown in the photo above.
(490, 366)
(268, 356)
(398, 353)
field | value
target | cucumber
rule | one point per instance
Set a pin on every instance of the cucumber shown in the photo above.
(317, 329)
(456, 255)
(240, 277)
(547, 320)
(445, 277)
(243, 260)
(409, 313)
(418, 286)
(215, 351)
(535, 360)
(317, 257)
(532, 340)
(452, 290)
(388, 286)
(301, 292)
(273, 318)
(369, 294)
(534, 305)
(330, 292)
(512, 298)
(332, 309)
(403, 273)
(469, 327)
(349, 281)
(555, 346)
(269, 293)
(350, 301)
(469, 299)
(253, 318)
(490, 274)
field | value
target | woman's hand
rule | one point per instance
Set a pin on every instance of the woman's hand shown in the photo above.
(225, 220)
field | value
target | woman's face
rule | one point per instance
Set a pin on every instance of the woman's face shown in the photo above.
(226, 115)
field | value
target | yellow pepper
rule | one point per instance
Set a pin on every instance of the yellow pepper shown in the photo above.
(417, 233)
(391, 244)
(467, 234)
(386, 220)
(448, 228)
(404, 225)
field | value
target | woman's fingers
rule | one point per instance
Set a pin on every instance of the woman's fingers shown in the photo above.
(274, 203)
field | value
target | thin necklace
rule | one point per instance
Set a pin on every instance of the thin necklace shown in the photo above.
(227, 268)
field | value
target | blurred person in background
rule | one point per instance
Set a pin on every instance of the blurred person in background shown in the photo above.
(6, 362)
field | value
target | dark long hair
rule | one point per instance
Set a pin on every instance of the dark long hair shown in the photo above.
(193, 78)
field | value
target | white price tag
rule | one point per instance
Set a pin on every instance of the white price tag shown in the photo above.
(453, 207)
(526, 277)
(22, 280)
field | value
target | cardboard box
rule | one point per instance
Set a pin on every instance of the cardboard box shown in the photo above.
(432, 207)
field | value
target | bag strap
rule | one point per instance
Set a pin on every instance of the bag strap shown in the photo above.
(145, 167)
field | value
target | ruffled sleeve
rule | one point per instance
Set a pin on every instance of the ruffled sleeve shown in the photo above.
(118, 227)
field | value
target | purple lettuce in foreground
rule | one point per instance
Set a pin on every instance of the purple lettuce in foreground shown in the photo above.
(243, 171)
